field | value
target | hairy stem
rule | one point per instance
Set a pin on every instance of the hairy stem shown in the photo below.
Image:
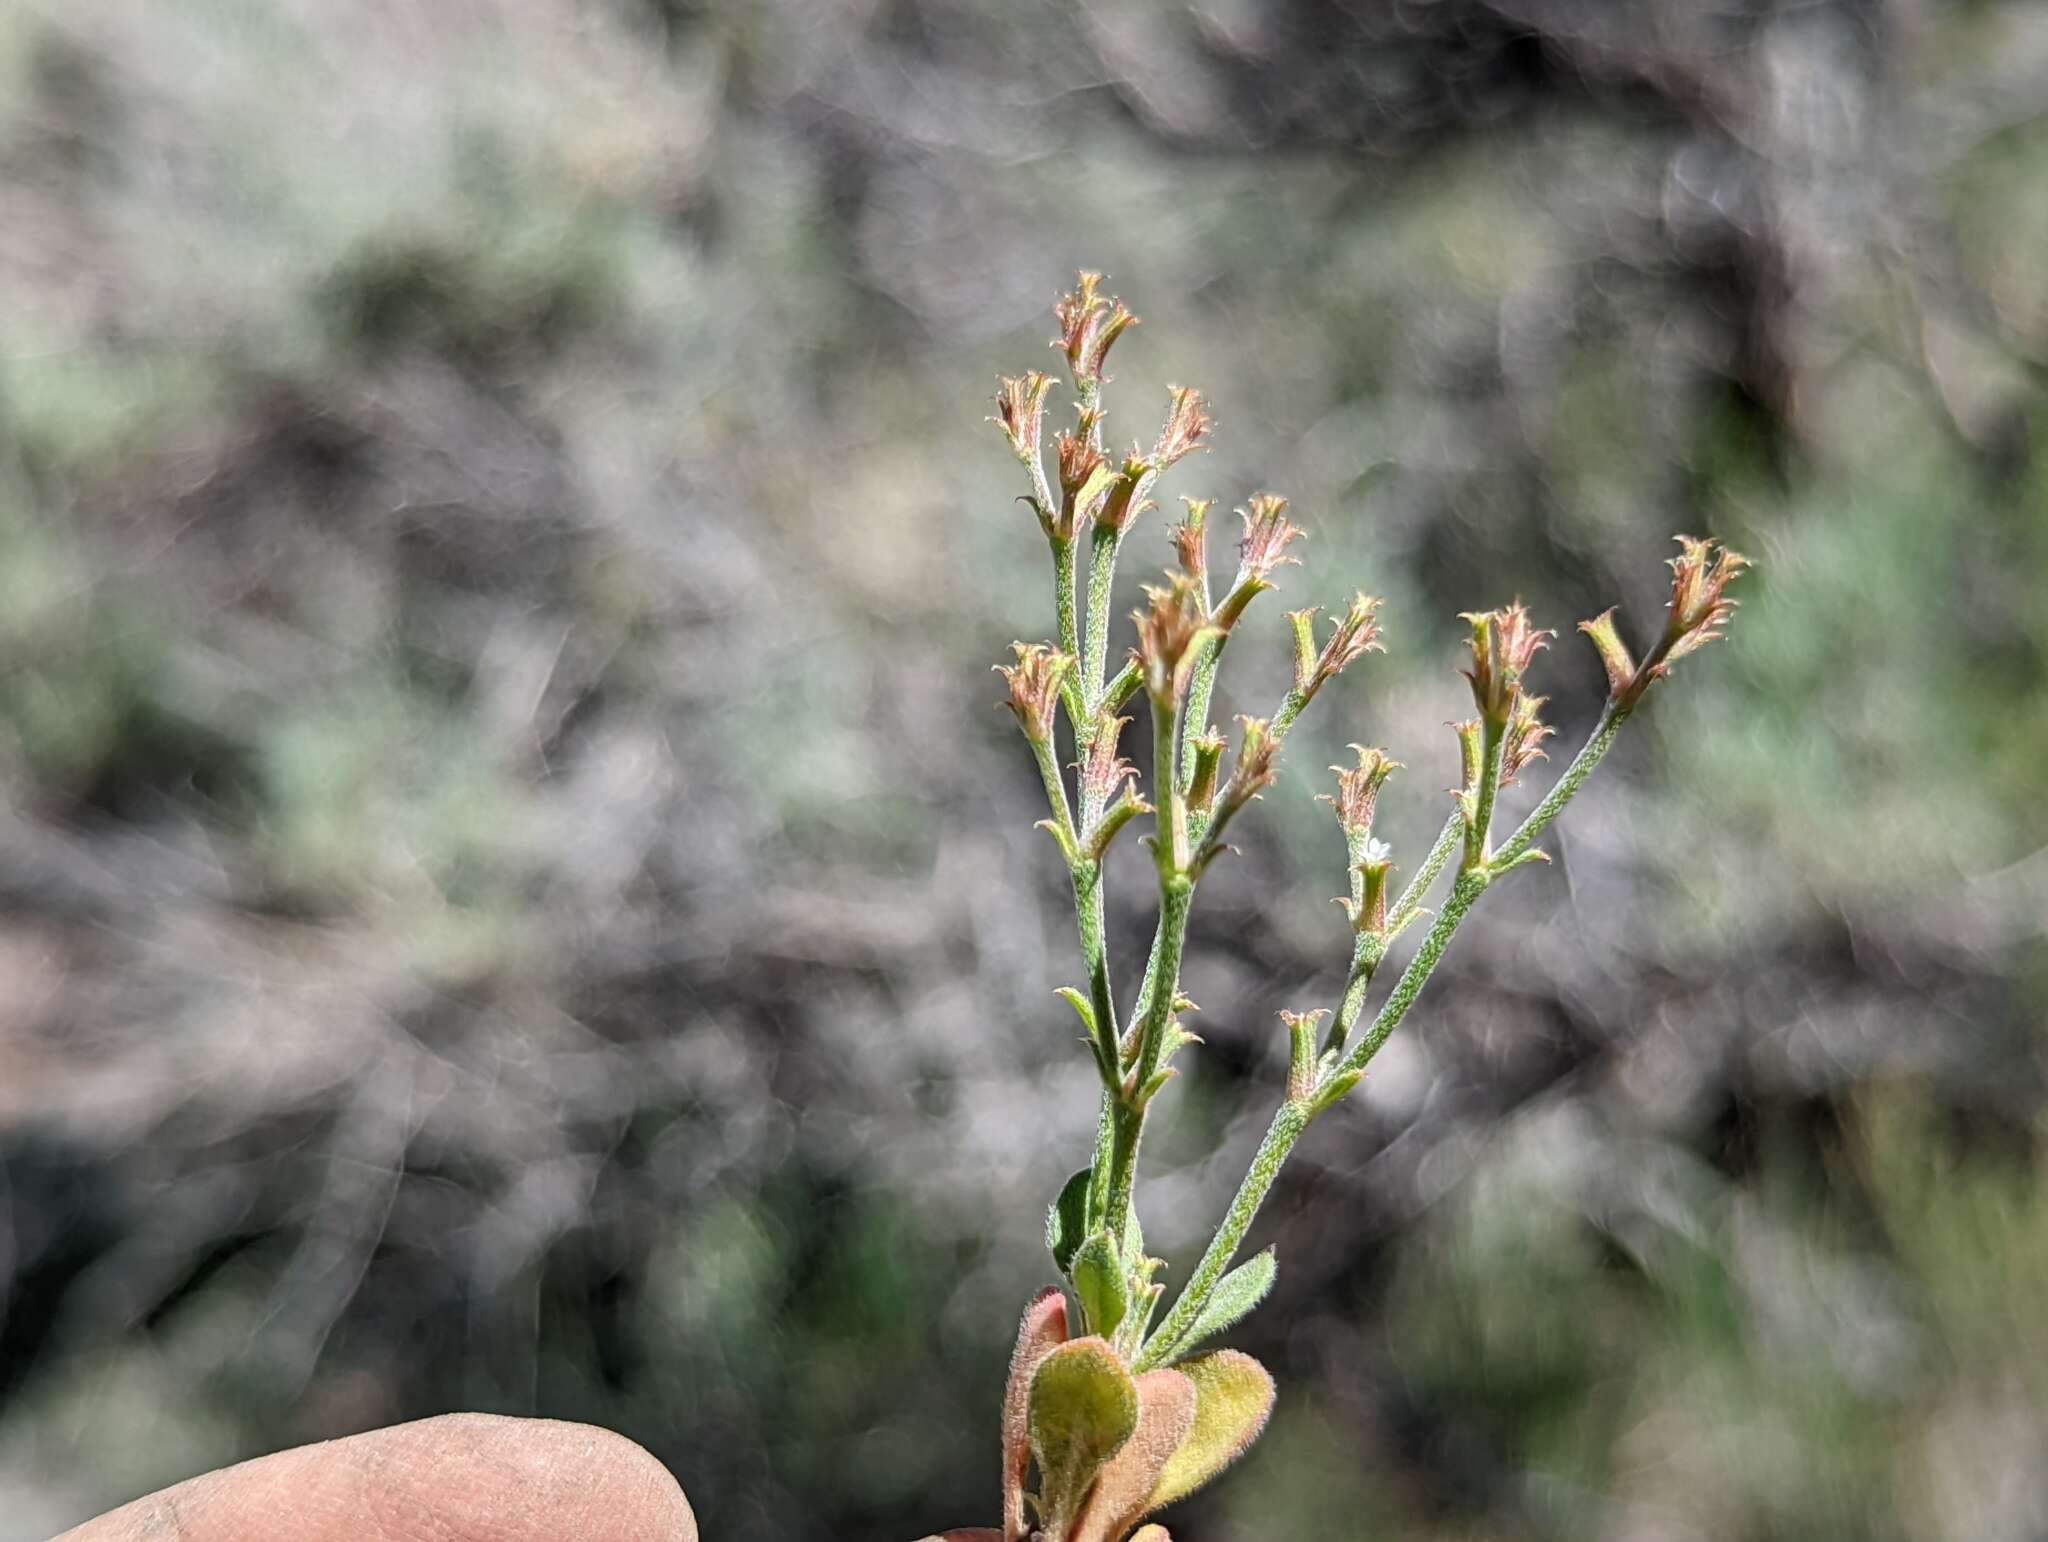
(1196, 721)
(1065, 574)
(1281, 1135)
(1103, 543)
(1129, 1117)
(1448, 839)
(1294, 1116)
(1056, 794)
(1583, 764)
(1088, 909)
(1494, 744)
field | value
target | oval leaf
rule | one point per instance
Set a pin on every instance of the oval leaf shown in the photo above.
(1043, 1330)
(1099, 1282)
(1084, 1406)
(1122, 1495)
(1066, 1223)
(1233, 1396)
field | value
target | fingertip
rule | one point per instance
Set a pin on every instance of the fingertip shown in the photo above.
(547, 1479)
(457, 1478)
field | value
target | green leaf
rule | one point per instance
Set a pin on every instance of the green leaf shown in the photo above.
(1233, 1397)
(1123, 1492)
(1079, 1003)
(1233, 1298)
(1066, 1223)
(1335, 1089)
(1099, 1282)
(1084, 1406)
(1134, 1243)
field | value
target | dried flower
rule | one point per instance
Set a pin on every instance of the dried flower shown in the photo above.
(1126, 499)
(1523, 741)
(1358, 788)
(1171, 630)
(1084, 474)
(1089, 325)
(1356, 634)
(1102, 773)
(1503, 644)
(1187, 424)
(1263, 547)
(1191, 538)
(1020, 410)
(1256, 768)
(1700, 608)
(1035, 681)
(1698, 613)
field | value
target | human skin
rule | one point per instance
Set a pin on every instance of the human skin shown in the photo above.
(461, 1478)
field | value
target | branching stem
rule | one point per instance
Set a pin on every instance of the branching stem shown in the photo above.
(1294, 1116)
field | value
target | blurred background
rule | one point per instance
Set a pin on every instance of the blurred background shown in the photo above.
(515, 892)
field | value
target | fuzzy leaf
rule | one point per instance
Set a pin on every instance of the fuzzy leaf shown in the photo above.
(1233, 1397)
(1099, 1281)
(1066, 1223)
(1152, 1533)
(1123, 1493)
(1134, 1243)
(1233, 1298)
(1084, 1407)
(1079, 1003)
(1334, 1090)
(1043, 1329)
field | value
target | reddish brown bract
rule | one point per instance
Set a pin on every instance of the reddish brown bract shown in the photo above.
(1034, 682)
(1187, 425)
(1089, 325)
(1358, 789)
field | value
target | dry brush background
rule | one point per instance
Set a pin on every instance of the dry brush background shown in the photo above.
(515, 892)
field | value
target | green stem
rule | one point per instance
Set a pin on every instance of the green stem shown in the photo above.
(1448, 839)
(1095, 954)
(1366, 954)
(1281, 1135)
(1195, 722)
(1294, 1117)
(1065, 573)
(1493, 745)
(1056, 795)
(1102, 549)
(1129, 1118)
(1583, 764)
(1464, 894)
(1290, 709)
(1121, 686)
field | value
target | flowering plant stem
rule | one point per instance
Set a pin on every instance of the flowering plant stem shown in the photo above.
(1295, 1115)
(1127, 1417)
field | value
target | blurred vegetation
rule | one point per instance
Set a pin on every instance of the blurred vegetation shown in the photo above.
(514, 895)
